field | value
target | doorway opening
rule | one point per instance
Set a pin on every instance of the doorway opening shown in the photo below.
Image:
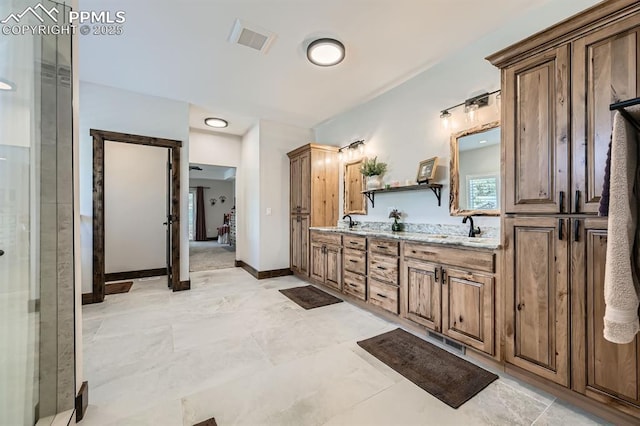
(212, 217)
(133, 211)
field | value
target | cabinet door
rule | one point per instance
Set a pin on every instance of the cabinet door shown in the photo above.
(295, 184)
(333, 274)
(537, 303)
(601, 369)
(300, 244)
(605, 70)
(422, 291)
(305, 183)
(535, 133)
(467, 308)
(295, 248)
(318, 262)
(304, 245)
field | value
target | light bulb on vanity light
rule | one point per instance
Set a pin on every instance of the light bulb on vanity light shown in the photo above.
(445, 119)
(340, 155)
(472, 113)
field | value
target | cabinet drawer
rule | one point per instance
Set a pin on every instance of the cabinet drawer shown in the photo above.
(387, 247)
(326, 237)
(383, 295)
(355, 261)
(383, 268)
(472, 259)
(355, 285)
(353, 242)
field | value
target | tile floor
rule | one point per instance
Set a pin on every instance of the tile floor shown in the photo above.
(235, 348)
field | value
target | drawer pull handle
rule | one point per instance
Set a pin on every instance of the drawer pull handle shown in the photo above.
(382, 268)
(381, 295)
(460, 319)
(413, 251)
(353, 261)
(382, 247)
(354, 242)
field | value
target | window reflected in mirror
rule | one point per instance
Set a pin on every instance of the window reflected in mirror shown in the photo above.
(475, 171)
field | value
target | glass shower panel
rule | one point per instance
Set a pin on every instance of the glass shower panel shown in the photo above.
(19, 222)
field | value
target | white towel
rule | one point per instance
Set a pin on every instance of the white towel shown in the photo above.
(621, 286)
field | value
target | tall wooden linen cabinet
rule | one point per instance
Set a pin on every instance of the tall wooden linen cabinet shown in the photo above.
(556, 126)
(314, 175)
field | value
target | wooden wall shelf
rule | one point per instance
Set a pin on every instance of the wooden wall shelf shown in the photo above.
(435, 187)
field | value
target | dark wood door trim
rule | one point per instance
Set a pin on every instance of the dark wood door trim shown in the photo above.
(99, 138)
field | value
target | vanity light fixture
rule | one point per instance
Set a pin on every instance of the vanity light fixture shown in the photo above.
(350, 150)
(7, 86)
(482, 141)
(325, 52)
(445, 117)
(471, 107)
(216, 122)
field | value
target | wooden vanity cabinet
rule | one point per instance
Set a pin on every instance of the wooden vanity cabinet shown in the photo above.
(354, 260)
(439, 293)
(326, 259)
(313, 176)
(557, 86)
(382, 276)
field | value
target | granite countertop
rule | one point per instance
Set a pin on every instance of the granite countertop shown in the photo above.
(450, 240)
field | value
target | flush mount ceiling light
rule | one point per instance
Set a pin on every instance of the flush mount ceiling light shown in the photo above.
(218, 123)
(325, 52)
(6, 85)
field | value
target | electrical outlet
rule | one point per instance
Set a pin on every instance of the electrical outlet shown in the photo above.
(268, 211)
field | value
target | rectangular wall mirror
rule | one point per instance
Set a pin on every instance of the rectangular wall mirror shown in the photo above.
(475, 171)
(355, 201)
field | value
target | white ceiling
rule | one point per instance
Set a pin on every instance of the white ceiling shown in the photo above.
(179, 50)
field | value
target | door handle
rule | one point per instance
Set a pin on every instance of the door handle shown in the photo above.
(577, 201)
(560, 229)
(576, 231)
(444, 276)
(561, 201)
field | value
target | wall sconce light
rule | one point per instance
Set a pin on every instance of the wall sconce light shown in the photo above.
(354, 148)
(213, 201)
(471, 107)
(445, 118)
(223, 199)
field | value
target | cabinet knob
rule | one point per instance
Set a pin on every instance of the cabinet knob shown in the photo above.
(460, 318)
(520, 306)
(1, 252)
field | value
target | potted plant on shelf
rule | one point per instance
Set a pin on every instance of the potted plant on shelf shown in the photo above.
(373, 171)
(396, 226)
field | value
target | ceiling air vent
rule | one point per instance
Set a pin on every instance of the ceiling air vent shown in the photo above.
(252, 36)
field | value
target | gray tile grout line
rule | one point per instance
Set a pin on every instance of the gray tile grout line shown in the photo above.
(544, 411)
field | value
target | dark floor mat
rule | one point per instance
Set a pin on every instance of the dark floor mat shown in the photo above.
(447, 377)
(310, 297)
(117, 288)
(210, 422)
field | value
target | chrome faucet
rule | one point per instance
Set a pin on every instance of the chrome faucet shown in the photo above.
(473, 231)
(351, 222)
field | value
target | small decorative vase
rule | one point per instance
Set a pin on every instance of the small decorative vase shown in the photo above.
(397, 226)
(374, 182)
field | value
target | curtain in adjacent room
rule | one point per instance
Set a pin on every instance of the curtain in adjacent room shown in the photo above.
(201, 226)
